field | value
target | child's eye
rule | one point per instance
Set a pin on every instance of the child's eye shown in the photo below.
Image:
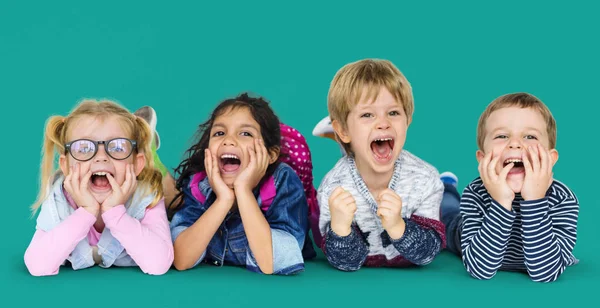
(394, 113)
(531, 137)
(501, 137)
(246, 134)
(218, 134)
(366, 115)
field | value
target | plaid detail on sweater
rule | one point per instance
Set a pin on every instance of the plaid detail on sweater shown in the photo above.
(421, 190)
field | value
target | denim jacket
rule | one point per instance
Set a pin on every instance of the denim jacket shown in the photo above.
(56, 208)
(287, 215)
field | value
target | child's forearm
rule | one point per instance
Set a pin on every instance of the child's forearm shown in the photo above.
(257, 229)
(420, 242)
(191, 243)
(484, 239)
(48, 250)
(148, 241)
(547, 251)
(346, 253)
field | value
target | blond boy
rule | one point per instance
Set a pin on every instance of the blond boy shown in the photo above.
(379, 204)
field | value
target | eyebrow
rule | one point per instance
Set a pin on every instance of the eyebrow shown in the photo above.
(526, 129)
(245, 125)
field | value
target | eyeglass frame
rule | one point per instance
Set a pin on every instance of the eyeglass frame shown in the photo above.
(97, 145)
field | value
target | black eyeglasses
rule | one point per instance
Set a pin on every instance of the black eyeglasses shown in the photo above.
(85, 149)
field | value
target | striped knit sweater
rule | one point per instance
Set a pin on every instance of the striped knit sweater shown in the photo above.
(537, 236)
(421, 190)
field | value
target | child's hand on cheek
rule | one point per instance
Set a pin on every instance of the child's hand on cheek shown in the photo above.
(254, 172)
(538, 172)
(215, 181)
(496, 184)
(77, 187)
(120, 193)
(389, 211)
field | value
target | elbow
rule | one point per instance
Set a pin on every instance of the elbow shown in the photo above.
(37, 266)
(160, 267)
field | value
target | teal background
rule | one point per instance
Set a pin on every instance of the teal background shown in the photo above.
(183, 58)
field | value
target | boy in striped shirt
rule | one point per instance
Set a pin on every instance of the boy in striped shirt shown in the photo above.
(515, 216)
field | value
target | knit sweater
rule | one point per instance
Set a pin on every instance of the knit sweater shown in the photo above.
(421, 190)
(537, 236)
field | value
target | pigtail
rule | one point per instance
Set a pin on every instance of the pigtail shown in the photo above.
(52, 136)
(149, 174)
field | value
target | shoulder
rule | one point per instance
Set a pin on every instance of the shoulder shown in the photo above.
(560, 192)
(336, 176)
(415, 167)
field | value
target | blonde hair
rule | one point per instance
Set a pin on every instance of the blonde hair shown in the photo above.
(521, 100)
(55, 137)
(347, 87)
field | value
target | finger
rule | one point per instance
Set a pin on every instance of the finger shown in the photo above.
(352, 207)
(85, 181)
(544, 157)
(127, 183)
(389, 198)
(483, 166)
(392, 195)
(492, 168)
(535, 159)
(383, 212)
(265, 154)
(252, 155)
(258, 152)
(337, 191)
(214, 167)
(67, 182)
(113, 183)
(505, 171)
(526, 162)
(207, 162)
(133, 182)
(345, 199)
(75, 179)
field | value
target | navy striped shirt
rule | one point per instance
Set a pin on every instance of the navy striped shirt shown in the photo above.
(537, 236)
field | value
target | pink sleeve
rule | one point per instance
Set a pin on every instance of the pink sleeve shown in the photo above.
(48, 250)
(148, 241)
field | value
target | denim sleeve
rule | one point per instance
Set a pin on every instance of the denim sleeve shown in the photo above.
(288, 218)
(346, 253)
(185, 217)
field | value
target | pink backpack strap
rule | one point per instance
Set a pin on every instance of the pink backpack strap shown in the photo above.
(198, 177)
(267, 190)
(267, 193)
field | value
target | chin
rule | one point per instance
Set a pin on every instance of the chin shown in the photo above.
(516, 186)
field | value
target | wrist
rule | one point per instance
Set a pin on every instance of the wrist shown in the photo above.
(397, 231)
(341, 230)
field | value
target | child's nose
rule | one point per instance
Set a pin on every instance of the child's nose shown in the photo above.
(383, 123)
(228, 141)
(101, 154)
(515, 143)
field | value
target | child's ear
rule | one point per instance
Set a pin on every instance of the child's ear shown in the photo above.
(553, 156)
(479, 155)
(273, 154)
(340, 131)
(139, 163)
(64, 164)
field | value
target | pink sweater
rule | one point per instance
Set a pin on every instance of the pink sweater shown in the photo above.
(147, 241)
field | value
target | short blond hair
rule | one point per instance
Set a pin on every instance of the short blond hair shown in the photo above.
(347, 86)
(521, 100)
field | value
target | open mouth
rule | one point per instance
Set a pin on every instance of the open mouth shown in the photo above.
(517, 167)
(382, 148)
(99, 181)
(230, 163)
